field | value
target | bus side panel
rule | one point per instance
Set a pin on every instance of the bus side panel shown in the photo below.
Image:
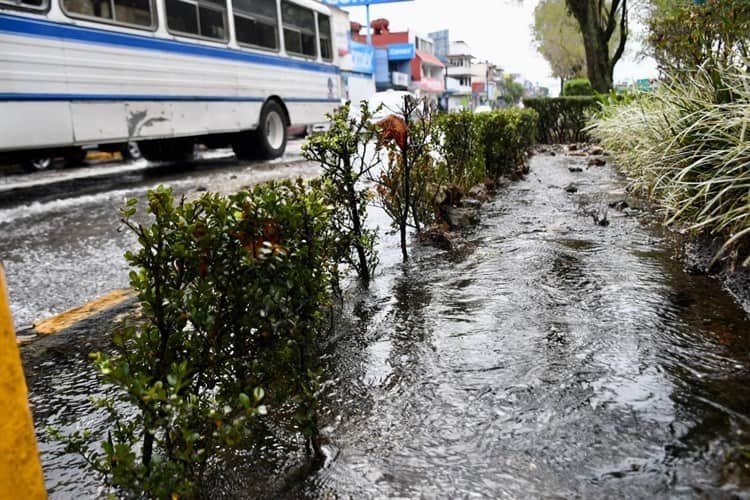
(44, 124)
(93, 120)
(31, 65)
(149, 119)
(309, 112)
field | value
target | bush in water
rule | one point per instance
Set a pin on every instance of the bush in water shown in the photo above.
(562, 119)
(232, 291)
(403, 185)
(347, 155)
(462, 149)
(507, 135)
(687, 148)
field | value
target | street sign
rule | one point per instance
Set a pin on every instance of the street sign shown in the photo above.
(358, 3)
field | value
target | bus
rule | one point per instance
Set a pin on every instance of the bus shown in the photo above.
(166, 74)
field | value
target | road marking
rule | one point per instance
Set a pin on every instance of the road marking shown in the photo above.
(69, 318)
(20, 469)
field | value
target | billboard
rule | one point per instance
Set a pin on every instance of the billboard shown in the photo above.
(358, 3)
(362, 57)
(401, 52)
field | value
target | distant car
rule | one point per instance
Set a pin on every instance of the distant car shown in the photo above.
(483, 108)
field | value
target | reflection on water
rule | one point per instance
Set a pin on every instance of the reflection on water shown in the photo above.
(558, 359)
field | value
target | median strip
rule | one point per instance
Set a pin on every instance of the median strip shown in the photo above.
(69, 318)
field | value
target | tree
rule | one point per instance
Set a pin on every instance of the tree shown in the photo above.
(559, 41)
(512, 91)
(599, 21)
(683, 36)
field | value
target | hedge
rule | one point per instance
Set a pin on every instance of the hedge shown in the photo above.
(562, 119)
(507, 135)
(485, 145)
(578, 86)
(462, 149)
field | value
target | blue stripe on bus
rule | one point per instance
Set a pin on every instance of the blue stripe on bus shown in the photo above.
(11, 96)
(47, 29)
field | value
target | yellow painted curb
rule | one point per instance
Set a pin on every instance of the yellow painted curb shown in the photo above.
(20, 469)
(69, 318)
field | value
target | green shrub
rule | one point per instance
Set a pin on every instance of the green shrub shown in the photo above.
(403, 185)
(233, 293)
(346, 154)
(507, 135)
(562, 119)
(578, 87)
(687, 149)
(462, 149)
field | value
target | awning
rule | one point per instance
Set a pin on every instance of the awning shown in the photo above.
(429, 59)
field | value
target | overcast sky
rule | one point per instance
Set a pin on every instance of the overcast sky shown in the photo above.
(498, 30)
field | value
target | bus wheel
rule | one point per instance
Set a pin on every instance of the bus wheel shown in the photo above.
(37, 164)
(130, 151)
(167, 149)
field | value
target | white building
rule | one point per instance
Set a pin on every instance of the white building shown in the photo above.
(459, 76)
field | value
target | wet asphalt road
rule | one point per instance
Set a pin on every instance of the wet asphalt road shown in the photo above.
(62, 244)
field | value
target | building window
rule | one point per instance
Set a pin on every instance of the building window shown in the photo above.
(139, 13)
(204, 18)
(324, 32)
(26, 4)
(299, 29)
(255, 23)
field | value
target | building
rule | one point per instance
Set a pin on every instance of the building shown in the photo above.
(459, 77)
(404, 60)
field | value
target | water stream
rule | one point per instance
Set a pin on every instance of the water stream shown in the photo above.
(559, 358)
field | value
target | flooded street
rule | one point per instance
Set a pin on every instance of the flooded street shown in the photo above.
(62, 242)
(559, 358)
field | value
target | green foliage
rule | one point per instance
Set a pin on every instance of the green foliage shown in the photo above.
(232, 291)
(346, 155)
(558, 39)
(403, 185)
(511, 91)
(687, 148)
(562, 119)
(507, 135)
(683, 35)
(578, 87)
(462, 149)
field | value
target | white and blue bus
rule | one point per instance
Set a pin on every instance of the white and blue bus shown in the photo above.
(165, 73)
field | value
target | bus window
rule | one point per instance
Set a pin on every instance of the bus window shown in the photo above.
(324, 32)
(128, 12)
(255, 23)
(205, 18)
(299, 29)
(26, 4)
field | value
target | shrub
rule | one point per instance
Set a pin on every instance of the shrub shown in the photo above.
(507, 135)
(687, 148)
(462, 149)
(578, 87)
(404, 183)
(346, 155)
(562, 119)
(231, 290)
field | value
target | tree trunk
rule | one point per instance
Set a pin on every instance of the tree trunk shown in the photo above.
(599, 21)
(364, 269)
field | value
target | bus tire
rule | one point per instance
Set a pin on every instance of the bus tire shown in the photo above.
(130, 151)
(167, 149)
(37, 164)
(271, 135)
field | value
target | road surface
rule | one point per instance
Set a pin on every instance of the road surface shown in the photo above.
(62, 243)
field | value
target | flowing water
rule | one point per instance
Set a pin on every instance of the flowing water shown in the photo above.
(558, 358)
